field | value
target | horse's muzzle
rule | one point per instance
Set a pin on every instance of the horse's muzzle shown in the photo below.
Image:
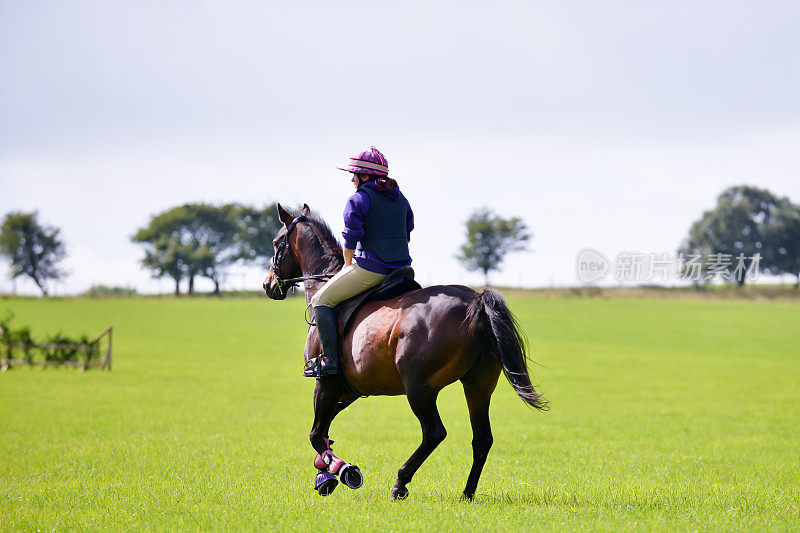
(274, 291)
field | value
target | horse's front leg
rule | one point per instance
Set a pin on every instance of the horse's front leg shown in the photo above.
(327, 394)
(330, 398)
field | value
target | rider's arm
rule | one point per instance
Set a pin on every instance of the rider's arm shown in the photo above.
(348, 256)
(355, 211)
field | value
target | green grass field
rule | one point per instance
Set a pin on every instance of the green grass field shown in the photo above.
(666, 414)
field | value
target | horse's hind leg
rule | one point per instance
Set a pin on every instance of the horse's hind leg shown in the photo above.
(479, 383)
(423, 403)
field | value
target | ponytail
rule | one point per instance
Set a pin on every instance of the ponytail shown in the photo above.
(385, 183)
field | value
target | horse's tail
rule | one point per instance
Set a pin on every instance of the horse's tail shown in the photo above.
(489, 319)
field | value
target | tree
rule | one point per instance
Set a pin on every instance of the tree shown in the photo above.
(33, 250)
(489, 239)
(215, 232)
(737, 225)
(165, 253)
(191, 240)
(257, 228)
(164, 257)
(783, 235)
(202, 240)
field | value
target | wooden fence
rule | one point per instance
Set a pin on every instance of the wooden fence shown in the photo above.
(83, 360)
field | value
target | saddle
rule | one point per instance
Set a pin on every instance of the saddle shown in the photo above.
(396, 283)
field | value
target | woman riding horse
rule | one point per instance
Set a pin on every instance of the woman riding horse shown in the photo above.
(413, 344)
(378, 217)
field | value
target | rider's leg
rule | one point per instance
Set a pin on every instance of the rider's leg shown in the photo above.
(328, 331)
(349, 282)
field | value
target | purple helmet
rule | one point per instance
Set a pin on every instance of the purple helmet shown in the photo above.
(370, 161)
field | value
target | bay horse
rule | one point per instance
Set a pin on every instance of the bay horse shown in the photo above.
(415, 344)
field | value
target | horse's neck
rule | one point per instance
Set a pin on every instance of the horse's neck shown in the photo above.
(312, 268)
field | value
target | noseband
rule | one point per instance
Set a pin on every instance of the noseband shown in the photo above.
(284, 284)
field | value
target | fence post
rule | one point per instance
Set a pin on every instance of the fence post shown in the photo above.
(85, 349)
(107, 358)
(6, 363)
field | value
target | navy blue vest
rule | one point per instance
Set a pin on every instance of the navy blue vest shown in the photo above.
(385, 227)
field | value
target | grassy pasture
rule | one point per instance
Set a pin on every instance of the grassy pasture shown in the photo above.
(666, 414)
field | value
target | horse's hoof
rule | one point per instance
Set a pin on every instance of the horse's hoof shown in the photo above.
(399, 493)
(351, 476)
(467, 497)
(325, 483)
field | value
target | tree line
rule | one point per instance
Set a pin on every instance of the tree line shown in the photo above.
(182, 243)
(202, 240)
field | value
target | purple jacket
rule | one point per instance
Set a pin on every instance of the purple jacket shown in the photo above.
(355, 210)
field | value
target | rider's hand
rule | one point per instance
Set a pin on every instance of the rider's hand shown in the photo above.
(348, 256)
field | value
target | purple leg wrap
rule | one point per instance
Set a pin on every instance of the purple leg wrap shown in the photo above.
(325, 482)
(330, 466)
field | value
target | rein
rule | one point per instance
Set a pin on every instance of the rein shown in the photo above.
(288, 283)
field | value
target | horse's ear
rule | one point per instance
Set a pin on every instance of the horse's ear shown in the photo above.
(284, 216)
(306, 210)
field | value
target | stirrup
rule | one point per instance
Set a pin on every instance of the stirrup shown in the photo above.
(311, 370)
(316, 369)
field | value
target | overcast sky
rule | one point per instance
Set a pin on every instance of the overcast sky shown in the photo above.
(604, 124)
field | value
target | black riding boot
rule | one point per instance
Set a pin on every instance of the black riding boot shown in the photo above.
(328, 331)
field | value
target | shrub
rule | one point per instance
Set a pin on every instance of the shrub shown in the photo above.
(101, 291)
(67, 349)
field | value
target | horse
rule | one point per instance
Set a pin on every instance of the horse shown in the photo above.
(414, 344)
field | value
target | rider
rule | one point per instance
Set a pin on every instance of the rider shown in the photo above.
(378, 217)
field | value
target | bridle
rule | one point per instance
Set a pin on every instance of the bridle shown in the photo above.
(284, 284)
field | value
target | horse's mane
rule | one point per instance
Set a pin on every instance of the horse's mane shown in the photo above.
(325, 232)
(331, 247)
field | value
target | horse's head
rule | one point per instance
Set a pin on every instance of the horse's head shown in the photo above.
(285, 262)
